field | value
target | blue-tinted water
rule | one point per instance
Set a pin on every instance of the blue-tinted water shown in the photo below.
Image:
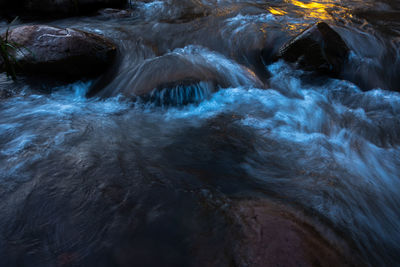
(111, 181)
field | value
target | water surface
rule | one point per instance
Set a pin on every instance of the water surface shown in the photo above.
(106, 181)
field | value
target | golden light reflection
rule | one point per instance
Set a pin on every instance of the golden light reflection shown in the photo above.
(311, 11)
(315, 10)
(277, 11)
(296, 28)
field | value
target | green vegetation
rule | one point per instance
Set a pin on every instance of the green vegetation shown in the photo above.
(6, 54)
(7, 49)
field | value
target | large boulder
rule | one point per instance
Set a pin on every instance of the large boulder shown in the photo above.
(69, 53)
(319, 48)
(182, 76)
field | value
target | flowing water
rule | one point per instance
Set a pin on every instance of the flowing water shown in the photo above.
(109, 181)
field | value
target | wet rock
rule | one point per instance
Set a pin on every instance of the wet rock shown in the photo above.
(318, 48)
(69, 53)
(179, 77)
(7, 87)
(114, 13)
(267, 234)
(167, 72)
(171, 80)
(5, 93)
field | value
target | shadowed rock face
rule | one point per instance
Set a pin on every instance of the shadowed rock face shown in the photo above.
(69, 53)
(318, 48)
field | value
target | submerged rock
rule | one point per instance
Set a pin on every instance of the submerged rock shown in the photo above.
(266, 234)
(5, 93)
(168, 72)
(319, 48)
(68, 53)
(172, 80)
(115, 13)
(182, 76)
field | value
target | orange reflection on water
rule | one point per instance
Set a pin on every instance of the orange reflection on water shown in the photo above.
(314, 9)
(296, 28)
(276, 11)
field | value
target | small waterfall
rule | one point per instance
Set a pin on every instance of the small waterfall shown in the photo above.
(181, 94)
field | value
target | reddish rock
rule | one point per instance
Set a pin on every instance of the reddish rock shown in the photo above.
(66, 52)
(266, 234)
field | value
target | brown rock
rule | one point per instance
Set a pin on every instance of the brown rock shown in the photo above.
(266, 234)
(175, 79)
(318, 48)
(66, 52)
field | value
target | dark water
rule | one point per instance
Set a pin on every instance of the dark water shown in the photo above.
(104, 181)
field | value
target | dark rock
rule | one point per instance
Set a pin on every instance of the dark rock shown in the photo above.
(69, 53)
(318, 48)
(176, 79)
(5, 93)
(115, 13)
(7, 87)
(167, 72)
(172, 80)
(267, 234)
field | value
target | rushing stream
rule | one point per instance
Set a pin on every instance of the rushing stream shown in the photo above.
(107, 181)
